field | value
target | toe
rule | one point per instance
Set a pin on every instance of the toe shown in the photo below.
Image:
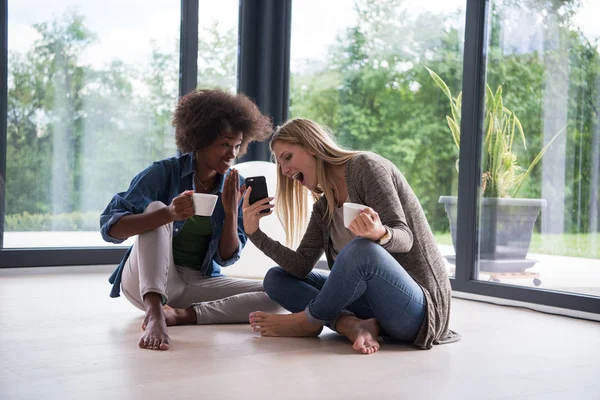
(164, 345)
(145, 322)
(256, 318)
(267, 332)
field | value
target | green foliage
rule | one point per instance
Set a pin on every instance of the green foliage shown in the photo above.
(371, 97)
(217, 57)
(77, 221)
(374, 94)
(501, 176)
(78, 134)
(568, 244)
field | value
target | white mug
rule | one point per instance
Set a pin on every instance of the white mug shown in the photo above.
(204, 204)
(351, 211)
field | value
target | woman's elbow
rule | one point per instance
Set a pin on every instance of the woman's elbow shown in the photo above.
(114, 232)
(406, 242)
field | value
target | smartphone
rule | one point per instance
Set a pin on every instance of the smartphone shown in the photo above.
(259, 189)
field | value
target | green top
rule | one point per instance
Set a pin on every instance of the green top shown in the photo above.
(191, 244)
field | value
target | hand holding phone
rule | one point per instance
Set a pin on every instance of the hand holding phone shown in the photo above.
(256, 203)
(259, 190)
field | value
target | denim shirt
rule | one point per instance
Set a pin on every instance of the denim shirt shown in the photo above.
(163, 181)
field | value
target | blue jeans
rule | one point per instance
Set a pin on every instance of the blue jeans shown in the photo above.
(365, 280)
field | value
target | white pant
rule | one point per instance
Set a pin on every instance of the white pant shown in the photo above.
(216, 300)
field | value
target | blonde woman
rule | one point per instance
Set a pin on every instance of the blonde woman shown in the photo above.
(387, 278)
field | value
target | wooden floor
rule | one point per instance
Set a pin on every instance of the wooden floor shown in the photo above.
(62, 337)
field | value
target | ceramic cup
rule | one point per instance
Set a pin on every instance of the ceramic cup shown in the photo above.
(204, 204)
(351, 211)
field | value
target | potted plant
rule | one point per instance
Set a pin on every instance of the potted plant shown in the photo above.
(506, 221)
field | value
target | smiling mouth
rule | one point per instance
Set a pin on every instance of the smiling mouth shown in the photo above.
(299, 176)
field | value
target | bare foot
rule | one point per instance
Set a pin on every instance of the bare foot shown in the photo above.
(291, 325)
(175, 316)
(362, 333)
(155, 335)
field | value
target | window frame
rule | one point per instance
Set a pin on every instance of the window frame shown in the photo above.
(263, 53)
(477, 27)
(263, 74)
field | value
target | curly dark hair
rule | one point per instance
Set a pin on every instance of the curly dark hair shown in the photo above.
(201, 115)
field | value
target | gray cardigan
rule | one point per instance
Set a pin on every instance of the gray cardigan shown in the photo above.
(376, 182)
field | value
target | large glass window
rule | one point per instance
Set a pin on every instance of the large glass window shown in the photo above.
(366, 70)
(91, 88)
(541, 153)
(217, 44)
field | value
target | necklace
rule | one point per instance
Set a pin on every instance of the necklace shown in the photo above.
(198, 181)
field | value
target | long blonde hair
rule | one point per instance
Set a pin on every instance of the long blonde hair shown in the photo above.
(291, 200)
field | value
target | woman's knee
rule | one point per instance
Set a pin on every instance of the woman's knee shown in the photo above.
(155, 205)
(162, 232)
(273, 278)
(358, 250)
(361, 245)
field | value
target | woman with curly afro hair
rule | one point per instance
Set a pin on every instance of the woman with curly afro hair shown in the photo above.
(172, 271)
